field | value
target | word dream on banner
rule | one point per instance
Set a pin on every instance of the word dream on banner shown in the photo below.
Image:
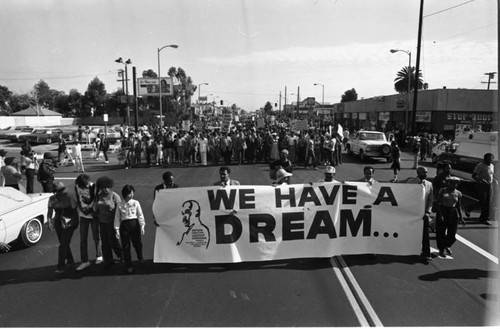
(258, 223)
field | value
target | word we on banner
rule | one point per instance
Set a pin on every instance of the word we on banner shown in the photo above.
(257, 223)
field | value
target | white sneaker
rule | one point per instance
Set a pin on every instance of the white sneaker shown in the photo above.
(106, 161)
(98, 260)
(83, 266)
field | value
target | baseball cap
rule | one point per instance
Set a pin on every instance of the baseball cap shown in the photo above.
(284, 151)
(59, 186)
(330, 170)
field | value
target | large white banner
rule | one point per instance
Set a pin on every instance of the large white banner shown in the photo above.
(257, 223)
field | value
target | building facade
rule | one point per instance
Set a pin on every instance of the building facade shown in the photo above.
(438, 111)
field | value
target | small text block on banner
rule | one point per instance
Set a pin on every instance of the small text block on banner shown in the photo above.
(257, 223)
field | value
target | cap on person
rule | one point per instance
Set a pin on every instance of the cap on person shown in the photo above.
(2, 153)
(282, 173)
(330, 170)
(284, 151)
(58, 186)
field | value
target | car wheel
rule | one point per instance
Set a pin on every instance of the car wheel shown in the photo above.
(362, 156)
(386, 149)
(31, 232)
(349, 152)
(434, 159)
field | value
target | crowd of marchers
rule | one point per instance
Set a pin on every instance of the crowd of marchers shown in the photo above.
(117, 222)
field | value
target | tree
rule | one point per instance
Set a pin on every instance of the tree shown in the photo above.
(5, 96)
(20, 102)
(149, 74)
(75, 100)
(349, 96)
(42, 94)
(401, 81)
(95, 97)
(268, 108)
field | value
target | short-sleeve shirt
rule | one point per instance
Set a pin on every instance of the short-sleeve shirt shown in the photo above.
(449, 199)
(63, 202)
(484, 171)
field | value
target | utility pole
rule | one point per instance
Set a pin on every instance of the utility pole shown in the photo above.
(279, 107)
(284, 106)
(491, 76)
(136, 114)
(298, 100)
(417, 69)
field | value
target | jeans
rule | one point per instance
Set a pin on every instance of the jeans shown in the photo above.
(109, 242)
(446, 227)
(65, 256)
(30, 178)
(130, 231)
(84, 233)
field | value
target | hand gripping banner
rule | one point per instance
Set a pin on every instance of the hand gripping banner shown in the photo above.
(257, 223)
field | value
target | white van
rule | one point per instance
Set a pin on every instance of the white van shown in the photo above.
(469, 149)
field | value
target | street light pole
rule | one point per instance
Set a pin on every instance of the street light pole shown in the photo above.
(159, 78)
(409, 84)
(128, 61)
(199, 94)
(322, 96)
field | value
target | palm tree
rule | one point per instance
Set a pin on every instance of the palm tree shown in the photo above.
(401, 81)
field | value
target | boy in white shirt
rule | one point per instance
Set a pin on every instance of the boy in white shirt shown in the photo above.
(129, 225)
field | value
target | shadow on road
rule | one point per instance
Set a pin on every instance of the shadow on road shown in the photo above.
(47, 274)
(465, 273)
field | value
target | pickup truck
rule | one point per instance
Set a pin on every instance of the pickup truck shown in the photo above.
(371, 144)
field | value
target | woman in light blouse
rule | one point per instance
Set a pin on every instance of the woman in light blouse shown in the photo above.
(129, 225)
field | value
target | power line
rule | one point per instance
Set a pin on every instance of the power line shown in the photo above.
(450, 8)
(57, 78)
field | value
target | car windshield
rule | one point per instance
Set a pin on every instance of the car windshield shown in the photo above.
(371, 136)
(41, 131)
(27, 130)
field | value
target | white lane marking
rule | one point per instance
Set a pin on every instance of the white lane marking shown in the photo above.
(477, 249)
(371, 312)
(363, 322)
(61, 178)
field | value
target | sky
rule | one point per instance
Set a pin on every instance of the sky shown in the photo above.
(249, 51)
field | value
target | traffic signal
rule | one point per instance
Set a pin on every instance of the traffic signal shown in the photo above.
(275, 104)
(221, 102)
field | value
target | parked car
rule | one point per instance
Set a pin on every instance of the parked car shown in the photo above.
(14, 136)
(371, 144)
(42, 136)
(440, 148)
(468, 150)
(22, 216)
(8, 130)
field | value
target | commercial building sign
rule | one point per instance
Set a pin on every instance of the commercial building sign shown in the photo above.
(384, 116)
(150, 86)
(464, 116)
(423, 116)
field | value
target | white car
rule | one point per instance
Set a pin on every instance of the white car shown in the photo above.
(440, 148)
(22, 215)
(371, 144)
